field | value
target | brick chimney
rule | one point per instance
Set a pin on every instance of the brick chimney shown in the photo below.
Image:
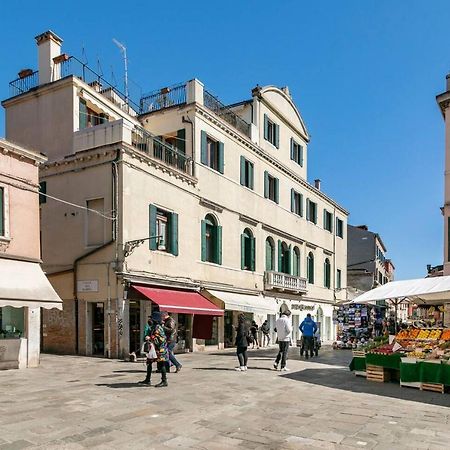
(317, 184)
(49, 47)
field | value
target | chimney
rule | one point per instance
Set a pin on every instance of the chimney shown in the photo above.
(317, 184)
(49, 47)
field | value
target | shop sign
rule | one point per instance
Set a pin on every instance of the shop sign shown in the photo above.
(87, 286)
(302, 307)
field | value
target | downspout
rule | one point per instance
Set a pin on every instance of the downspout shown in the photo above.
(188, 120)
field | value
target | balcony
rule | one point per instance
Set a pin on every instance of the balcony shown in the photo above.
(284, 282)
(163, 98)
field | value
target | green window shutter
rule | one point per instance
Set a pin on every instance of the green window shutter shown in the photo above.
(325, 274)
(242, 171)
(315, 213)
(173, 246)
(153, 241)
(83, 116)
(276, 130)
(266, 184)
(181, 140)
(292, 150)
(221, 156)
(301, 155)
(252, 254)
(2, 211)
(204, 148)
(280, 256)
(266, 127)
(277, 190)
(242, 251)
(218, 242)
(292, 200)
(203, 239)
(331, 222)
(301, 205)
(250, 174)
(307, 209)
(289, 261)
(324, 218)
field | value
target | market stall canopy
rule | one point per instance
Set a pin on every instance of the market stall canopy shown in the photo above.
(433, 290)
(24, 284)
(244, 302)
(177, 301)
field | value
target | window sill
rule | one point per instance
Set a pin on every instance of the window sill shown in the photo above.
(209, 263)
(161, 252)
(5, 239)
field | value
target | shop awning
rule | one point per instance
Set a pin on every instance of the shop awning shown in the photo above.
(24, 283)
(245, 303)
(433, 290)
(176, 301)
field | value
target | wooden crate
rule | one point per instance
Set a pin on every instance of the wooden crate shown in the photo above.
(432, 387)
(377, 373)
(359, 353)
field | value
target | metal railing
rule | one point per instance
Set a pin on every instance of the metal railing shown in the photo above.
(163, 98)
(283, 281)
(155, 148)
(24, 84)
(225, 112)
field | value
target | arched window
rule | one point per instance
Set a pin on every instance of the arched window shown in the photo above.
(310, 268)
(270, 254)
(284, 257)
(211, 240)
(296, 262)
(247, 250)
(327, 273)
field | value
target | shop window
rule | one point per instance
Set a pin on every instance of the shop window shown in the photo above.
(247, 250)
(271, 132)
(310, 267)
(339, 227)
(95, 222)
(327, 221)
(311, 211)
(297, 152)
(271, 187)
(211, 250)
(12, 323)
(270, 254)
(327, 273)
(284, 257)
(296, 262)
(296, 203)
(163, 231)
(246, 173)
(212, 152)
(338, 279)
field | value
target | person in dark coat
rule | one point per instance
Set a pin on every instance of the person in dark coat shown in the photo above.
(254, 331)
(241, 343)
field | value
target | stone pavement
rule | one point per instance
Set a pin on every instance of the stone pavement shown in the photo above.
(76, 403)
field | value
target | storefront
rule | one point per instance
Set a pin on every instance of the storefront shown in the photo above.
(24, 290)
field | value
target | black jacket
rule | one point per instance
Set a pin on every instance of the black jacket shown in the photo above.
(241, 335)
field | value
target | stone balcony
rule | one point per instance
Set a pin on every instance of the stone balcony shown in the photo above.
(284, 282)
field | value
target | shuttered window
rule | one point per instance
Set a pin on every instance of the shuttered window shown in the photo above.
(270, 254)
(338, 279)
(271, 187)
(311, 211)
(327, 273)
(296, 262)
(339, 228)
(211, 240)
(163, 230)
(246, 177)
(247, 250)
(296, 203)
(212, 152)
(310, 268)
(271, 131)
(327, 221)
(297, 152)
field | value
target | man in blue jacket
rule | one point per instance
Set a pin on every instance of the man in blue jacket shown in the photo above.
(308, 327)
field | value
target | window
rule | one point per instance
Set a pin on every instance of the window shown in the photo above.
(270, 254)
(211, 240)
(311, 211)
(297, 152)
(271, 132)
(246, 173)
(163, 230)
(284, 257)
(296, 203)
(95, 222)
(327, 273)
(380, 278)
(310, 268)
(271, 187)
(90, 118)
(247, 250)
(296, 262)
(339, 227)
(212, 152)
(327, 221)
(338, 279)
(2, 211)
(42, 191)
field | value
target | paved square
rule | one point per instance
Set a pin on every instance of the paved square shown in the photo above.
(77, 403)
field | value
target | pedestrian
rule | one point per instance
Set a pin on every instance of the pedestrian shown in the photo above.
(254, 332)
(284, 330)
(170, 329)
(157, 337)
(308, 328)
(265, 328)
(241, 342)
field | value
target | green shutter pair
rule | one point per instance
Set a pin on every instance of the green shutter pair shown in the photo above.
(217, 240)
(300, 200)
(276, 198)
(249, 183)
(172, 231)
(248, 245)
(277, 190)
(204, 152)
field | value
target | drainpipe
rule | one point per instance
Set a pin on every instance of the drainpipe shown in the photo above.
(188, 120)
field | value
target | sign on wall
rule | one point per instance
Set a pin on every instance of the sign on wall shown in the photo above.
(87, 286)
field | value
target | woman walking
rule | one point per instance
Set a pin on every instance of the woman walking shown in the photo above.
(241, 343)
(254, 331)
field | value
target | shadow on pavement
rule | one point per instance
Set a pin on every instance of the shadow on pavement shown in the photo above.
(234, 370)
(123, 385)
(143, 370)
(347, 381)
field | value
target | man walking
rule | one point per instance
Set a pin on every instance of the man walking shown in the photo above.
(170, 329)
(284, 330)
(265, 329)
(308, 327)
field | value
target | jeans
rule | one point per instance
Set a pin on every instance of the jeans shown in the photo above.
(242, 356)
(265, 337)
(282, 353)
(172, 358)
(308, 345)
(161, 366)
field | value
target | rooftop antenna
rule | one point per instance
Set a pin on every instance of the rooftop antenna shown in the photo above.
(123, 50)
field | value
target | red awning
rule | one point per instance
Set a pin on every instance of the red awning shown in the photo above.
(184, 302)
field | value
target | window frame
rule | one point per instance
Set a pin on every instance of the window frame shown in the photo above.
(296, 258)
(327, 273)
(247, 175)
(339, 228)
(271, 243)
(310, 265)
(297, 152)
(327, 220)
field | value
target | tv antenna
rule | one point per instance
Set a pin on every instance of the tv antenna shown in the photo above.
(123, 50)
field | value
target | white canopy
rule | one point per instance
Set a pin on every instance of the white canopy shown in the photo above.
(245, 303)
(24, 283)
(433, 290)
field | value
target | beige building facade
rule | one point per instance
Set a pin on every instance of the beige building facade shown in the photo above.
(177, 195)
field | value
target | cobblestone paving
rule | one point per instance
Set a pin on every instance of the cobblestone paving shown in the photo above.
(77, 403)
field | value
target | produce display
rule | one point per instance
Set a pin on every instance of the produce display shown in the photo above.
(424, 343)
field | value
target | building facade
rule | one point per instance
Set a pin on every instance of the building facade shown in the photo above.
(24, 289)
(174, 196)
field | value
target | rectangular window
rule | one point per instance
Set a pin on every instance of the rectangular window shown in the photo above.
(296, 203)
(271, 132)
(311, 211)
(212, 152)
(297, 152)
(90, 118)
(327, 221)
(95, 222)
(246, 173)
(380, 278)
(339, 228)
(271, 187)
(338, 279)
(42, 191)
(163, 230)
(2, 211)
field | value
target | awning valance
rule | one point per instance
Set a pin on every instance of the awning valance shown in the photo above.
(24, 284)
(245, 303)
(177, 301)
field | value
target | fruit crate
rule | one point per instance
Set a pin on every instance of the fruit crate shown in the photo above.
(377, 373)
(433, 387)
(359, 353)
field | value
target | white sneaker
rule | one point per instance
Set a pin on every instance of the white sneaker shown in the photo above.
(245, 368)
(275, 366)
(240, 369)
(284, 369)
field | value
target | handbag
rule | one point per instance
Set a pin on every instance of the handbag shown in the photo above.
(149, 350)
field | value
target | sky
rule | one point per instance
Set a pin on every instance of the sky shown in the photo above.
(363, 73)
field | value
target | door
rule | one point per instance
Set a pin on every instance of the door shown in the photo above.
(135, 326)
(98, 329)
